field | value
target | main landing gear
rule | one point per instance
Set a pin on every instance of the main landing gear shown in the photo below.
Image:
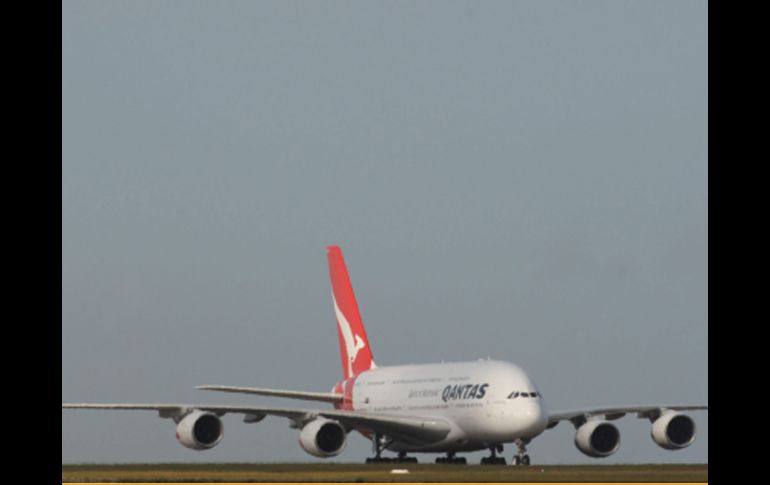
(378, 443)
(402, 458)
(521, 458)
(493, 459)
(451, 459)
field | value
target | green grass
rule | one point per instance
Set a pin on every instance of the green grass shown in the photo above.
(380, 473)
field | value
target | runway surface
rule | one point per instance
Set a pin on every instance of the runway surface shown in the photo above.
(381, 473)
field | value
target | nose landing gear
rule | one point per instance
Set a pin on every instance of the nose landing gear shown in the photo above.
(521, 458)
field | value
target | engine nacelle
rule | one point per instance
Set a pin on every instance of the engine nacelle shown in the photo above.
(323, 438)
(597, 438)
(200, 430)
(673, 431)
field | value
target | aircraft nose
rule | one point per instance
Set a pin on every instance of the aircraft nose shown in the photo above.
(535, 418)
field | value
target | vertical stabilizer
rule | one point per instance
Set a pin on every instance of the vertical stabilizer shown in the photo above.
(354, 346)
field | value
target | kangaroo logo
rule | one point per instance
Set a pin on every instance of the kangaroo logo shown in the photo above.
(353, 342)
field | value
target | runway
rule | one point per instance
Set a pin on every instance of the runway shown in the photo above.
(381, 473)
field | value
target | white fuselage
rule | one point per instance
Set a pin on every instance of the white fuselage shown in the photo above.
(475, 397)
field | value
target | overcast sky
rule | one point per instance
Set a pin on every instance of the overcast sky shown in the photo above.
(520, 180)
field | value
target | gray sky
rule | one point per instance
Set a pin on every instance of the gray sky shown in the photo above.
(520, 180)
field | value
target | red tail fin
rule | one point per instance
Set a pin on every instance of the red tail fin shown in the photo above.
(354, 346)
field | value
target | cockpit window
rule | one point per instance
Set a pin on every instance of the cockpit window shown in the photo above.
(516, 394)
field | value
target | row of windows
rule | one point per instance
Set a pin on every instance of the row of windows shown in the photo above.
(516, 394)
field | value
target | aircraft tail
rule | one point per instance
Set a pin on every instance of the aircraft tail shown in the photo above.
(355, 351)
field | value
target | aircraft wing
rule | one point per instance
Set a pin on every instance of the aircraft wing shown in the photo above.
(578, 417)
(309, 396)
(410, 429)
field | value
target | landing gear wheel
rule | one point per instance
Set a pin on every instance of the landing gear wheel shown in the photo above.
(450, 459)
(521, 458)
(402, 458)
(493, 459)
(378, 443)
(379, 459)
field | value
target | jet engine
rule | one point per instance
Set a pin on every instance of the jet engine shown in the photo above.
(200, 430)
(597, 438)
(322, 438)
(673, 431)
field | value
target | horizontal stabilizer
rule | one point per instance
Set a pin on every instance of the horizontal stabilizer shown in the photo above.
(307, 396)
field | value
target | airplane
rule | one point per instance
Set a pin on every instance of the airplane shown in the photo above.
(425, 408)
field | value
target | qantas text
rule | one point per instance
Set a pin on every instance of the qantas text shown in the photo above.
(464, 391)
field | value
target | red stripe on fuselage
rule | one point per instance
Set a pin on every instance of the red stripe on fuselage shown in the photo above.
(346, 389)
